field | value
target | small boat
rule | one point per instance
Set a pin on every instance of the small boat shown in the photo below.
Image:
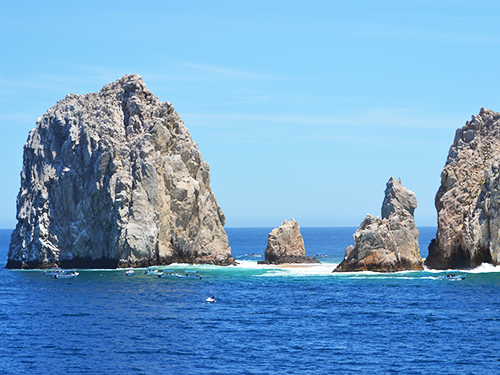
(129, 272)
(320, 255)
(166, 273)
(210, 299)
(66, 274)
(53, 271)
(189, 275)
(452, 276)
(254, 255)
(151, 271)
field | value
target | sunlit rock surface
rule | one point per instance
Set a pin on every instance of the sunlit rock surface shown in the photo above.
(390, 243)
(286, 245)
(468, 200)
(113, 179)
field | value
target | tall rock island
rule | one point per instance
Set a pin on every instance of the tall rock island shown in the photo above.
(286, 245)
(390, 243)
(468, 200)
(113, 179)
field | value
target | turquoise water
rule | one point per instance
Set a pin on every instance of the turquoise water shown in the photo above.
(267, 320)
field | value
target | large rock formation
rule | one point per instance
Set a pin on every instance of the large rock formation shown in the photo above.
(390, 243)
(468, 200)
(286, 245)
(113, 179)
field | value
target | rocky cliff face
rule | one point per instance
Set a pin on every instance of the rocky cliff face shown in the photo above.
(468, 200)
(113, 179)
(286, 245)
(390, 243)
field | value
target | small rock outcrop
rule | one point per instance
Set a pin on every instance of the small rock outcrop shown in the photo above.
(113, 179)
(286, 245)
(390, 243)
(468, 200)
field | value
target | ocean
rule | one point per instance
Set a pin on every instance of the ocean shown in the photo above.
(267, 319)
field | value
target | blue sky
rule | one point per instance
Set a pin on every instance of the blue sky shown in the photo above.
(302, 110)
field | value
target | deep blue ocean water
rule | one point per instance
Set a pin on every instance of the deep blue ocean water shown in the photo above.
(267, 320)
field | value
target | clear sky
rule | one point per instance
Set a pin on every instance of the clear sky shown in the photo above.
(302, 109)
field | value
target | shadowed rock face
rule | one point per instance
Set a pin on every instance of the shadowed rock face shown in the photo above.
(390, 243)
(468, 200)
(286, 245)
(113, 179)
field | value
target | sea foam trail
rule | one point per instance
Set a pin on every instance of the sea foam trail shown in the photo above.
(300, 270)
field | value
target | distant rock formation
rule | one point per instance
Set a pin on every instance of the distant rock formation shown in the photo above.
(113, 179)
(389, 244)
(286, 245)
(468, 200)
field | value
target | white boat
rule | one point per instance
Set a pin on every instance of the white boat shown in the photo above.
(66, 274)
(53, 271)
(189, 275)
(151, 271)
(452, 276)
(166, 273)
(129, 272)
(210, 299)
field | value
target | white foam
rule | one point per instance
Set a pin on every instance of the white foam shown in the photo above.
(251, 264)
(392, 276)
(326, 269)
(483, 268)
(299, 270)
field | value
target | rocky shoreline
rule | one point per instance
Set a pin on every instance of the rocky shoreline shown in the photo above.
(113, 180)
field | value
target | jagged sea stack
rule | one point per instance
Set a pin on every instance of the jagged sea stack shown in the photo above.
(468, 200)
(113, 179)
(390, 243)
(286, 245)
